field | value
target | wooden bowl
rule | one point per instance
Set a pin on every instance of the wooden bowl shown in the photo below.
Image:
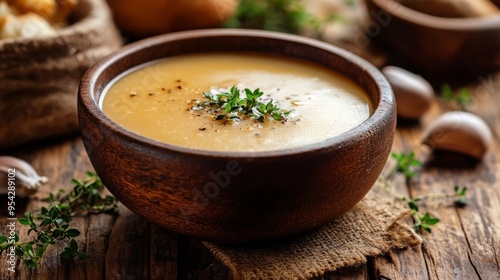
(445, 47)
(235, 197)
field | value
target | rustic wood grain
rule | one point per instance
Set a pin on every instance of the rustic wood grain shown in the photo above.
(348, 273)
(129, 248)
(163, 259)
(465, 244)
(196, 262)
(400, 264)
(98, 233)
(445, 251)
(48, 157)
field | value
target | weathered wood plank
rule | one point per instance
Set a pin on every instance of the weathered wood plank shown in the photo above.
(465, 245)
(405, 264)
(46, 158)
(400, 264)
(448, 252)
(163, 264)
(196, 262)
(99, 231)
(128, 252)
(76, 267)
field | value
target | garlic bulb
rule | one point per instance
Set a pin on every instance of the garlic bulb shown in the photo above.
(414, 95)
(460, 132)
(27, 180)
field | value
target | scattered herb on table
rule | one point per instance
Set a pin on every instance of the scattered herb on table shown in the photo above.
(462, 98)
(53, 223)
(406, 163)
(236, 107)
(460, 196)
(422, 221)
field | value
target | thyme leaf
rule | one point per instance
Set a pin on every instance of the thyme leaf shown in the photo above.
(460, 196)
(422, 221)
(406, 163)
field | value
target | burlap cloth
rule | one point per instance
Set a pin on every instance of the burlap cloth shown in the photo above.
(39, 77)
(373, 227)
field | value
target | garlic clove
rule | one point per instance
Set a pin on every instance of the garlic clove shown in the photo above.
(414, 95)
(26, 178)
(460, 132)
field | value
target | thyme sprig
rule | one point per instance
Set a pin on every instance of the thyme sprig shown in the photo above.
(236, 107)
(53, 223)
(460, 196)
(422, 221)
(407, 165)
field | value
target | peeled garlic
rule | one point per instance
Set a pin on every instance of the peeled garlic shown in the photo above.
(27, 181)
(413, 93)
(460, 132)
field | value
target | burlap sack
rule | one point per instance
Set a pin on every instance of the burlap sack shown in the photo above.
(39, 77)
(371, 228)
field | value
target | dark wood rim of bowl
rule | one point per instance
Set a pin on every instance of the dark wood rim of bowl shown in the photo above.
(384, 110)
(393, 8)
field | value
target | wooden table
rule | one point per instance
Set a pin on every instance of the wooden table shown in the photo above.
(464, 245)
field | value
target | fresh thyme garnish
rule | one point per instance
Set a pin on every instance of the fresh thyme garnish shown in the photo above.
(52, 224)
(236, 107)
(462, 99)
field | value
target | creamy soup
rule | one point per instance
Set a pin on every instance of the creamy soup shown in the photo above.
(164, 99)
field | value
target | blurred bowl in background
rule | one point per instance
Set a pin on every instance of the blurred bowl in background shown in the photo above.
(438, 46)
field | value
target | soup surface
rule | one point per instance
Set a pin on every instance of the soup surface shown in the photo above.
(162, 100)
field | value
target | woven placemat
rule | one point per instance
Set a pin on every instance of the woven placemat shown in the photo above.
(373, 227)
